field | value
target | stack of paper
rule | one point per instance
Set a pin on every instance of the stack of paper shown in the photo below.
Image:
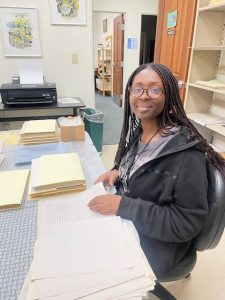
(55, 174)
(39, 132)
(99, 258)
(12, 189)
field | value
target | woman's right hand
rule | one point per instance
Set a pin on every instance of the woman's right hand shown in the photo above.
(108, 178)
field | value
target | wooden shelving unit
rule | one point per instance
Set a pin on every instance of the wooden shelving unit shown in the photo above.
(205, 105)
(104, 74)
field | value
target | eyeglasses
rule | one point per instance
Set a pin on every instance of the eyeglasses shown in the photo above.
(153, 92)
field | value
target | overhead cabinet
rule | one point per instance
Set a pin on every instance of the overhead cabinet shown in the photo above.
(205, 96)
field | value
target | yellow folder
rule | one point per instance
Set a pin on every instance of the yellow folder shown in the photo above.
(39, 132)
(38, 126)
(12, 189)
(57, 170)
(56, 174)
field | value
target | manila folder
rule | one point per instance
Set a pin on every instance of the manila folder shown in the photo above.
(60, 170)
(13, 185)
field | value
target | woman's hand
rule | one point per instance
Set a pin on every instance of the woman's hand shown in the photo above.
(108, 178)
(105, 204)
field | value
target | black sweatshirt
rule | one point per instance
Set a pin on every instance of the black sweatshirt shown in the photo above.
(167, 202)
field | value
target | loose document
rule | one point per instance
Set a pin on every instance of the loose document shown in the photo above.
(80, 254)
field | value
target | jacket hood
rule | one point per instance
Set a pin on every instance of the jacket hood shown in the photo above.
(178, 143)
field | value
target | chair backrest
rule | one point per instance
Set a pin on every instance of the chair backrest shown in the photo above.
(210, 235)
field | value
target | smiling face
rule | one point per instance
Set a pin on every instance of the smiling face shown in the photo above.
(144, 107)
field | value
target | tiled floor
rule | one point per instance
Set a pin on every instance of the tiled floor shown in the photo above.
(207, 280)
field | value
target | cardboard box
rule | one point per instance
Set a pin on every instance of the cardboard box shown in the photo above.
(73, 132)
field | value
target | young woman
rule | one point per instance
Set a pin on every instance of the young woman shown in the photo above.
(160, 170)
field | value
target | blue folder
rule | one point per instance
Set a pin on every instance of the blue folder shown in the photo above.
(25, 154)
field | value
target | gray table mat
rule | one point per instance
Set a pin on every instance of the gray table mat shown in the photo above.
(18, 228)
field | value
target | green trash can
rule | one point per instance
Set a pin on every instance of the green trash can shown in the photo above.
(93, 121)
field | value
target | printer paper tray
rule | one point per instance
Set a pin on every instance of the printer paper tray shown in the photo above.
(29, 102)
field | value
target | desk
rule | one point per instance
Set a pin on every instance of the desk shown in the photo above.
(37, 112)
(18, 228)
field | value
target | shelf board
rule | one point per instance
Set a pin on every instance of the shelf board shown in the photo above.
(218, 128)
(213, 7)
(219, 91)
(105, 77)
(105, 89)
(104, 49)
(101, 61)
(218, 149)
(206, 118)
(215, 48)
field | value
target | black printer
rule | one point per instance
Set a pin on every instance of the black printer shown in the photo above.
(28, 94)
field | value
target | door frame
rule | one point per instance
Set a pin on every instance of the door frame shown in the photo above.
(159, 27)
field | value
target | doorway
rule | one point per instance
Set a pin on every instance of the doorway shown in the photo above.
(105, 55)
(147, 39)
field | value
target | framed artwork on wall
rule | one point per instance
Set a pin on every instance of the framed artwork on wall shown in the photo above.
(68, 12)
(19, 30)
(105, 25)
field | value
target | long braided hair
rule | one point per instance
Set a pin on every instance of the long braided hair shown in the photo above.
(173, 115)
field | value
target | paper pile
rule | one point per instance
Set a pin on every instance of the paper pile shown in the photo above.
(55, 174)
(38, 132)
(99, 258)
(13, 185)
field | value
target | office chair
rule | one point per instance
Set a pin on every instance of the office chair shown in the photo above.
(209, 236)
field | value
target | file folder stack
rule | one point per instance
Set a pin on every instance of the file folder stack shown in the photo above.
(38, 132)
(77, 258)
(56, 174)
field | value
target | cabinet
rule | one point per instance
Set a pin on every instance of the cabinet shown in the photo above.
(104, 72)
(205, 95)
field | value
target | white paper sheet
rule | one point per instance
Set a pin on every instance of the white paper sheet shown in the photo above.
(125, 283)
(30, 71)
(83, 247)
(68, 208)
(89, 283)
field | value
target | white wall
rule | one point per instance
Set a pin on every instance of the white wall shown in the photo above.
(133, 11)
(58, 42)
